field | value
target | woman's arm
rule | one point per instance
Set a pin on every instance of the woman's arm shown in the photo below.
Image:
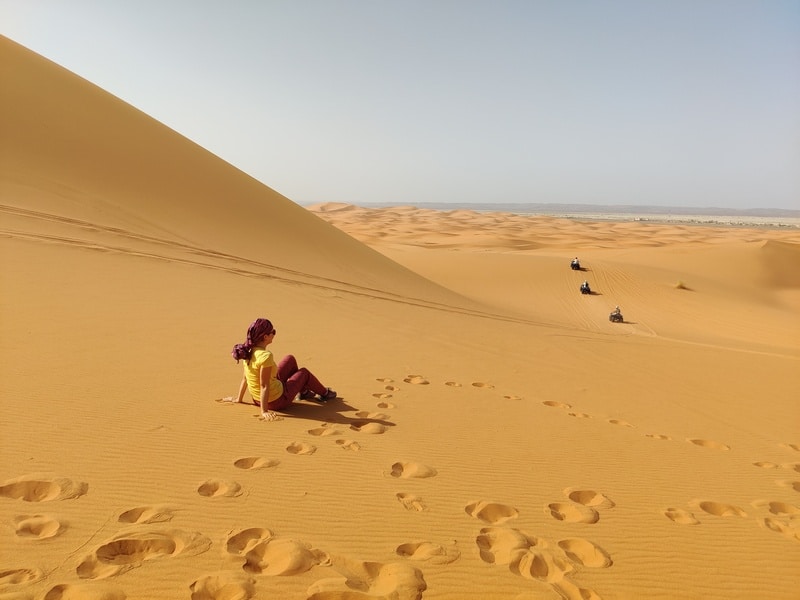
(240, 396)
(264, 376)
(242, 390)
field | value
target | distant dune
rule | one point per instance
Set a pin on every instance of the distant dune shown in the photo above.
(495, 436)
(604, 209)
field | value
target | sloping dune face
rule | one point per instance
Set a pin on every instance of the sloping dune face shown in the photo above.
(81, 164)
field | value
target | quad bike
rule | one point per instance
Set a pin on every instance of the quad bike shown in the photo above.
(615, 317)
(585, 289)
(575, 265)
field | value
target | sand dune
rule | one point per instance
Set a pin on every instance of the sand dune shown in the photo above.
(495, 436)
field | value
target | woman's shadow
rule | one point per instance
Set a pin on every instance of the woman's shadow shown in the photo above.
(332, 412)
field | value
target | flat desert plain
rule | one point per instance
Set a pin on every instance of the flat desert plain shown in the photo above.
(495, 436)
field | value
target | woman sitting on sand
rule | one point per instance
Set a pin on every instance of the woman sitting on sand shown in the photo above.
(272, 386)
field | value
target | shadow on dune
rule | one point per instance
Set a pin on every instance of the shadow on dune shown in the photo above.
(331, 412)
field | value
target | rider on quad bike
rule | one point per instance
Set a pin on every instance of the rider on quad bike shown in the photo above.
(615, 316)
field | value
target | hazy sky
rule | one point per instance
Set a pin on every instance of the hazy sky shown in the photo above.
(668, 102)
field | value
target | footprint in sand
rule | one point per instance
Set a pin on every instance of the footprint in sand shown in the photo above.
(788, 483)
(300, 448)
(84, 591)
(512, 397)
(412, 470)
(240, 542)
(365, 414)
(38, 527)
(566, 589)
(283, 557)
(709, 444)
(129, 549)
(384, 379)
(718, 509)
(32, 489)
(349, 445)
(19, 576)
(253, 463)
(542, 566)
(380, 396)
(416, 380)
(491, 512)
(482, 385)
(217, 488)
(554, 404)
(223, 586)
(680, 516)
(391, 388)
(589, 498)
(766, 465)
(323, 431)
(385, 405)
(146, 514)
(795, 447)
(579, 415)
(572, 513)
(620, 422)
(369, 427)
(781, 509)
(657, 436)
(774, 524)
(789, 529)
(452, 384)
(360, 579)
(411, 502)
(585, 553)
(429, 552)
(500, 545)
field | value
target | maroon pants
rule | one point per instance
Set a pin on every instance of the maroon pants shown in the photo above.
(295, 381)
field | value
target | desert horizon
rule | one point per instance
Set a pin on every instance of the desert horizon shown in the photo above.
(495, 435)
(778, 217)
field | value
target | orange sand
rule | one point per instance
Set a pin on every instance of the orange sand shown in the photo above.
(495, 437)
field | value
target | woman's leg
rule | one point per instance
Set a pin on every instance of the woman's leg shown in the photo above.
(300, 381)
(295, 380)
(287, 367)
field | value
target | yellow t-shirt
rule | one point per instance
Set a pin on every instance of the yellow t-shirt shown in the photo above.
(262, 358)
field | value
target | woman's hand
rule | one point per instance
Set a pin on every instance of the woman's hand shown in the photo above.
(270, 416)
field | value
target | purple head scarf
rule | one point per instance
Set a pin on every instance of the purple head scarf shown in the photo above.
(257, 330)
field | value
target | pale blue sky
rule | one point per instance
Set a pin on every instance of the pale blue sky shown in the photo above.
(651, 102)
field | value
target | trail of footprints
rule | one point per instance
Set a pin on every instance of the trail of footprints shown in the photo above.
(783, 518)
(537, 558)
(262, 552)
